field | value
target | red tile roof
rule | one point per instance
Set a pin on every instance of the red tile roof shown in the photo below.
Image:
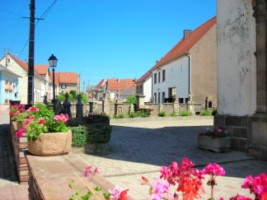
(68, 77)
(120, 84)
(41, 69)
(187, 43)
(146, 75)
(100, 84)
(65, 78)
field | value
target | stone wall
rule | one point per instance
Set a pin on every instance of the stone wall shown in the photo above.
(237, 127)
(49, 177)
(20, 146)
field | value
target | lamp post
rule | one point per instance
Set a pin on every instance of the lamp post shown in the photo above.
(52, 60)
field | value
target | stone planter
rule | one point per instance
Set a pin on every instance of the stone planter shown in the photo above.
(51, 144)
(219, 144)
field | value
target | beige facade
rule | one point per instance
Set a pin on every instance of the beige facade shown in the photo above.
(204, 68)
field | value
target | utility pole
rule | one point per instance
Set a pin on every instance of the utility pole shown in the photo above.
(31, 55)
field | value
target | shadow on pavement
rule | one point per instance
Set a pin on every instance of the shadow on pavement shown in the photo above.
(161, 146)
(7, 162)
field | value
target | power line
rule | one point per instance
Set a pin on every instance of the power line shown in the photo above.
(42, 17)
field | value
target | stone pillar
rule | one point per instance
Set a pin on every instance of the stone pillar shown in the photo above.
(140, 101)
(79, 107)
(258, 134)
(66, 106)
(91, 107)
(175, 107)
(190, 105)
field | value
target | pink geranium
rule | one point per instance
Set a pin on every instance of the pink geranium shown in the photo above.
(213, 169)
(42, 120)
(61, 118)
(240, 197)
(33, 109)
(257, 185)
(20, 132)
(159, 190)
(118, 194)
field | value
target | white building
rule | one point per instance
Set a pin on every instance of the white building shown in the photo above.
(188, 70)
(41, 78)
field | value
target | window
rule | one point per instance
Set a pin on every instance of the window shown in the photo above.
(163, 97)
(63, 86)
(159, 97)
(163, 75)
(155, 97)
(155, 78)
(159, 76)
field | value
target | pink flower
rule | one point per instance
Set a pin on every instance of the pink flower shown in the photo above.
(61, 118)
(20, 132)
(42, 120)
(257, 185)
(88, 170)
(240, 197)
(33, 109)
(159, 190)
(29, 120)
(213, 169)
(117, 193)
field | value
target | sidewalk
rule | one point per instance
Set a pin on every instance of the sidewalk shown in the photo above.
(9, 187)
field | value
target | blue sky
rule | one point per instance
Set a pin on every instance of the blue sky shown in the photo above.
(101, 39)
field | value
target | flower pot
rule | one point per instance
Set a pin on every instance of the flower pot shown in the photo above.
(51, 144)
(216, 144)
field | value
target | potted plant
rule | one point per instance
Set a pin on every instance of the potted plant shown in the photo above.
(216, 140)
(47, 133)
(15, 115)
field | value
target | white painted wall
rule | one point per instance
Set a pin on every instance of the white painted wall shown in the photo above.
(236, 61)
(147, 89)
(176, 76)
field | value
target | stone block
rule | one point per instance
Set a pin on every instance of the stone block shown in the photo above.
(236, 121)
(239, 132)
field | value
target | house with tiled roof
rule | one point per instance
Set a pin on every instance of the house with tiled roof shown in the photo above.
(41, 80)
(66, 81)
(116, 89)
(189, 70)
(43, 84)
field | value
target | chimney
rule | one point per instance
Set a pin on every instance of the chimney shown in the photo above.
(186, 33)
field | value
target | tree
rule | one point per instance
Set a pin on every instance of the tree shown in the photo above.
(131, 99)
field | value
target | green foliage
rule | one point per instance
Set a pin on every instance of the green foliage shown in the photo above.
(73, 93)
(98, 133)
(142, 113)
(79, 135)
(61, 97)
(174, 114)
(131, 99)
(162, 114)
(119, 116)
(206, 112)
(185, 113)
(84, 98)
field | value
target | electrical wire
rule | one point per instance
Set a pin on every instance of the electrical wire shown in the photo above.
(43, 16)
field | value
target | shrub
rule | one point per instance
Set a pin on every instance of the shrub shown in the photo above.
(98, 133)
(206, 113)
(142, 113)
(185, 113)
(79, 136)
(162, 114)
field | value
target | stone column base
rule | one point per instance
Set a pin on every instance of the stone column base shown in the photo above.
(258, 136)
(238, 128)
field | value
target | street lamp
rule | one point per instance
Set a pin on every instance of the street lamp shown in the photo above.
(52, 60)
